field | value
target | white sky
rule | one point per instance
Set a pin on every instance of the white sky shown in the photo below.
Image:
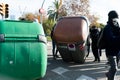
(98, 7)
(18, 7)
(102, 7)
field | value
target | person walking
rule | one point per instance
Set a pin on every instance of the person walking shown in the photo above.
(94, 35)
(54, 45)
(112, 39)
(101, 44)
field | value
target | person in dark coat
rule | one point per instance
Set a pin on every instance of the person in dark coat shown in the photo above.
(94, 35)
(54, 45)
(112, 40)
(88, 45)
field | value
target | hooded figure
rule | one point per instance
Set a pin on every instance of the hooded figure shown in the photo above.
(112, 14)
(112, 39)
(94, 35)
(113, 18)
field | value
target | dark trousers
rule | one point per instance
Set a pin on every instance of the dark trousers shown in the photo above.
(113, 60)
(95, 51)
(54, 49)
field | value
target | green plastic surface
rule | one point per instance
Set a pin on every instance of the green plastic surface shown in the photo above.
(22, 55)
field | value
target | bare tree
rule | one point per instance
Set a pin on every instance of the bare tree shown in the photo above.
(80, 8)
(77, 7)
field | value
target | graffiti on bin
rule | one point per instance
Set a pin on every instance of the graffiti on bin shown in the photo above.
(71, 47)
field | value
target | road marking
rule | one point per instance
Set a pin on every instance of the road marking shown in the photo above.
(83, 77)
(60, 70)
(94, 68)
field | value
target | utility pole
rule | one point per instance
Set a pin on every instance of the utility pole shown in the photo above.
(41, 10)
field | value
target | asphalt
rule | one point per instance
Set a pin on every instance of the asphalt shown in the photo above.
(60, 70)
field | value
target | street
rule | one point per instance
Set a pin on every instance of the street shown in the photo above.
(60, 70)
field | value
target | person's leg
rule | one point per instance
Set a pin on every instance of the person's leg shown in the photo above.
(88, 50)
(118, 59)
(53, 48)
(94, 53)
(56, 53)
(113, 67)
(98, 55)
(100, 52)
(106, 57)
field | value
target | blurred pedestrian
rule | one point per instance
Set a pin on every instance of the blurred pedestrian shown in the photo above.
(54, 45)
(88, 45)
(101, 48)
(94, 35)
(112, 40)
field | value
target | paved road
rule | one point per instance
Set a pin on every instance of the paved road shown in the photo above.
(60, 70)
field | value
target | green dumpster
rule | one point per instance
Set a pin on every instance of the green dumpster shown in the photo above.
(23, 50)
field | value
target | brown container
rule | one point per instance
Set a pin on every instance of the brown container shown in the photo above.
(71, 30)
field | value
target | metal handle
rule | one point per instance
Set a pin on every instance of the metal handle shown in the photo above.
(22, 38)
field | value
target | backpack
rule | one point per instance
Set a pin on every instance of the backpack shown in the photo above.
(101, 40)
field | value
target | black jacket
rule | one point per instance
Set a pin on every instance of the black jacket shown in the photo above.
(112, 39)
(94, 35)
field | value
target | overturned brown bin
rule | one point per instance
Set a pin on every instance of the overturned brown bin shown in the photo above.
(71, 35)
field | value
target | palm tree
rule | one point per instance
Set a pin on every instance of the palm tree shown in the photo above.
(53, 12)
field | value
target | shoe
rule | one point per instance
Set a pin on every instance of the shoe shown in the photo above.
(95, 61)
(57, 56)
(54, 57)
(107, 63)
(106, 74)
(98, 61)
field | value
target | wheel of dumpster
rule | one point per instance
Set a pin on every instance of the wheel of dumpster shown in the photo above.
(67, 59)
(66, 56)
(79, 56)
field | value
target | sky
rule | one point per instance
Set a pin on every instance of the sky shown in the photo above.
(102, 8)
(18, 7)
(97, 7)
